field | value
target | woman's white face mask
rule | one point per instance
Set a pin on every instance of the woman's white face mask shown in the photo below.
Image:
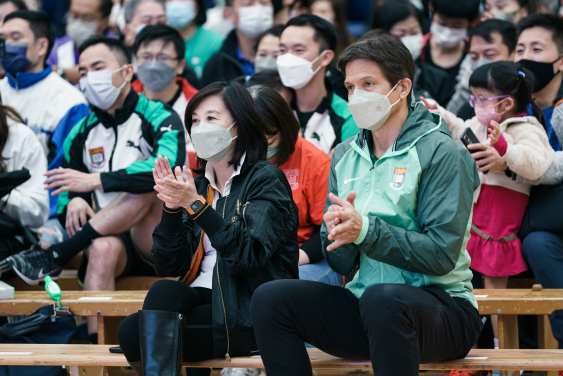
(211, 141)
(370, 110)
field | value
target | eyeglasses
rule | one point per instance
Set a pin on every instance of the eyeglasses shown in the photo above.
(161, 58)
(480, 101)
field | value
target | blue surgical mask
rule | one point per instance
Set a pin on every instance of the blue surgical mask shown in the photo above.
(15, 60)
(180, 13)
(272, 151)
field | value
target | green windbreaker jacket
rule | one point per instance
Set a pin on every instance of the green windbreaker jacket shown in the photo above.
(416, 203)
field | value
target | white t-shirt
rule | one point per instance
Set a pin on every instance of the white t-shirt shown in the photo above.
(205, 277)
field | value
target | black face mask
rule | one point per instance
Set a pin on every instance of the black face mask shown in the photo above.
(543, 72)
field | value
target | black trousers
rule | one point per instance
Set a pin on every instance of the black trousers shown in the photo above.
(174, 296)
(396, 326)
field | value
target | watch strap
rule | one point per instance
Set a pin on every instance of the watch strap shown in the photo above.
(202, 200)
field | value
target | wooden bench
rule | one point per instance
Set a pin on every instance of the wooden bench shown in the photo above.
(68, 282)
(89, 360)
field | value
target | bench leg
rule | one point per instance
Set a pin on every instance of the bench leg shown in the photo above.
(545, 341)
(107, 335)
(86, 371)
(508, 336)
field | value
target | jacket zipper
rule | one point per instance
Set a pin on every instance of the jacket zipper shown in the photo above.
(113, 150)
(227, 356)
(243, 217)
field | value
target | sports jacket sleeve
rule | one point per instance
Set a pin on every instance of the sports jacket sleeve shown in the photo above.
(445, 199)
(343, 258)
(164, 130)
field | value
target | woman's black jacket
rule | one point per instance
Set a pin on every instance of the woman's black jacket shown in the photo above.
(254, 230)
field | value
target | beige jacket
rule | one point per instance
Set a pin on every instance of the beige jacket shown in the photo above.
(528, 154)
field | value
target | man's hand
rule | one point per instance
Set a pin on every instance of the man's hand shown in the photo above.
(350, 221)
(303, 258)
(77, 213)
(487, 158)
(67, 179)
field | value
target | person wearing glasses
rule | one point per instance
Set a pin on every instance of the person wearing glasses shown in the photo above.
(159, 53)
(502, 92)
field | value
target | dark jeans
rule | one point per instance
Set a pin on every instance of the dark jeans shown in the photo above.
(544, 252)
(173, 296)
(396, 326)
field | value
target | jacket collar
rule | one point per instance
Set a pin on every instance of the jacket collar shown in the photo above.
(326, 102)
(24, 80)
(121, 114)
(230, 45)
(188, 90)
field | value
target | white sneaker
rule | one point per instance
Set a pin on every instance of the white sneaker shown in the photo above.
(242, 372)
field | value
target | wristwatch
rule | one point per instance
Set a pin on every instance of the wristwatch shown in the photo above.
(197, 206)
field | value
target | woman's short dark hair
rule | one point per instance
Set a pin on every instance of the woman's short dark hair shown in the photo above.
(277, 118)
(391, 12)
(388, 52)
(201, 16)
(274, 31)
(250, 133)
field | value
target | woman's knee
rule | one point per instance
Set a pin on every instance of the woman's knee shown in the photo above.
(269, 299)
(128, 337)
(167, 295)
(382, 300)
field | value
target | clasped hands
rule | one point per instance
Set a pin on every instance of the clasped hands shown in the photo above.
(171, 187)
(343, 222)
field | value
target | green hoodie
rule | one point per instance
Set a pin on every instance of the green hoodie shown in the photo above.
(416, 203)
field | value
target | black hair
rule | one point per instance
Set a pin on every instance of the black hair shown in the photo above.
(161, 32)
(39, 24)
(468, 9)
(268, 78)
(391, 12)
(5, 114)
(201, 16)
(325, 33)
(550, 22)
(105, 7)
(388, 52)
(277, 118)
(115, 46)
(506, 29)
(507, 78)
(275, 31)
(17, 3)
(250, 133)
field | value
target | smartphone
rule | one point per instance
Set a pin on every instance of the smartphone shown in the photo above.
(468, 138)
(116, 350)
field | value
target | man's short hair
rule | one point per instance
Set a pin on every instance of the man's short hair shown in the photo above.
(131, 7)
(325, 34)
(38, 23)
(164, 33)
(506, 29)
(550, 22)
(115, 46)
(105, 7)
(468, 9)
(388, 52)
(19, 4)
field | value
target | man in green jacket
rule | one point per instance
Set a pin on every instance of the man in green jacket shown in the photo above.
(400, 203)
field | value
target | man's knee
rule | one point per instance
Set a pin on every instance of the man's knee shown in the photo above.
(103, 253)
(541, 247)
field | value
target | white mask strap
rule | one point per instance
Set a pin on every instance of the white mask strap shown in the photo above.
(392, 90)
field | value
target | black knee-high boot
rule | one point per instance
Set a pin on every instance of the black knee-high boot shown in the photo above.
(161, 337)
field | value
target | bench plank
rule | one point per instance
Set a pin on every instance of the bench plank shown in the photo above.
(99, 355)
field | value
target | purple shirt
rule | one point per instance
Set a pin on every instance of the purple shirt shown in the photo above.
(65, 51)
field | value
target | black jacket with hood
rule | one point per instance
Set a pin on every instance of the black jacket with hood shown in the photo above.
(223, 64)
(254, 230)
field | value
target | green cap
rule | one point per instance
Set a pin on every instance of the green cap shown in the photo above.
(53, 290)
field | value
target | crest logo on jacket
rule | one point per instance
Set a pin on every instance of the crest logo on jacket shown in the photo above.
(97, 156)
(292, 176)
(398, 178)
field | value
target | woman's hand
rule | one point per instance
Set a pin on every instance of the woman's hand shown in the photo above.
(431, 105)
(350, 221)
(172, 189)
(494, 132)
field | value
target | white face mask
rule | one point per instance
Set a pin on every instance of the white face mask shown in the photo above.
(80, 30)
(98, 88)
(370, 110)
(447, 37)
(296, 72)
(254, 20)
(414, 44)
(211, 141)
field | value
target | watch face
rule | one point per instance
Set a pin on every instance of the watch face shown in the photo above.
(197, 206)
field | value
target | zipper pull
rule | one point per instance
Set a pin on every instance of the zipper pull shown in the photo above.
(228, 357)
